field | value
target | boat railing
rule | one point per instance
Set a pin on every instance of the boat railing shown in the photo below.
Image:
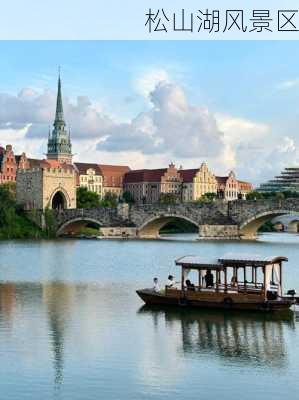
(239, 287)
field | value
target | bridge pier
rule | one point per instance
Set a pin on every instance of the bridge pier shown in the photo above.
(219, 232)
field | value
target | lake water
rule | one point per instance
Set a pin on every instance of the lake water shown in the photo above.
(72, 327)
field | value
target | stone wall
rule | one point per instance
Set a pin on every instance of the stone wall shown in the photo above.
(36, 187)
(219, 232)
(29, 188)
(59, 179)
(119, 232)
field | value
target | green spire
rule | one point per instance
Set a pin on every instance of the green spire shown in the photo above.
(59, 142)
(59, 118)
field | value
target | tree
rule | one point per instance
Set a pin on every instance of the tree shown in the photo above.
(11, 187)
(255, 196)
(279, 196)
(127, 197)
(87, 199)
(168, 198)
(110, 200)
(7, 202)
(49, 223)
(206, 198)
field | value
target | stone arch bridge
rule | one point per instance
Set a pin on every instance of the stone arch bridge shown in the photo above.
(217, 220)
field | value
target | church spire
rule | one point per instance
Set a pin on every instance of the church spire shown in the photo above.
(59, 143)
(59, 118)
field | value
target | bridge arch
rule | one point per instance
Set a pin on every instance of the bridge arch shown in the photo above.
(248, 229)
(74, 225)
(152, 226)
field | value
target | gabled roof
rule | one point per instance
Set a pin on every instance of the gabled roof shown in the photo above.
(83, 167)
(188, 174)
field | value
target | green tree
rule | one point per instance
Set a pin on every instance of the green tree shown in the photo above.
(127, 197)
(279, 196)
(87, 199)
(50, 228)
(168, 198)
(14, 223)
(110, 200)
(11, 187)
(255, 196)
(7, 202)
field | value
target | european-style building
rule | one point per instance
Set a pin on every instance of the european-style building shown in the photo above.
(49, 183)
(113, 178)
(8, 165)
(147, 185)
(89, 176)
(197, 182)
(187, 185)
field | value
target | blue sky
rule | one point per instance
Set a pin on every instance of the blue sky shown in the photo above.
(255, 84)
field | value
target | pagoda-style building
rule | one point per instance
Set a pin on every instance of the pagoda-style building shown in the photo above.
(288, 180)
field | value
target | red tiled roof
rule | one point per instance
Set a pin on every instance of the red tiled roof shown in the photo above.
(113, 174)
(144, 175)
(54, 164)
(83, 167)
(221, 179)
(188, 174)
(34, 162)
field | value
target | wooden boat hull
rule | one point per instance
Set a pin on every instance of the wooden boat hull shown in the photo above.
(225, 302)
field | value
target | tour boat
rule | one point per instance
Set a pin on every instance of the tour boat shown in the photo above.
(233, 282)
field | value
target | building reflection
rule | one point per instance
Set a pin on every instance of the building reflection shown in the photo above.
(7, 302)
(248, 338)
(58, 298)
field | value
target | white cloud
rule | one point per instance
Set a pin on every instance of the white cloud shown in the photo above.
(171, 125)
(288, 84)
(146, 83)
(35, 110)
(172, 129)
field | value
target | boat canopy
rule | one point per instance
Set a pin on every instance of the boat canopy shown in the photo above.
(233, 260)
(196, 262)
(249, 259)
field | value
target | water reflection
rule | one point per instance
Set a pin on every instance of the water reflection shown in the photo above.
(58, 297)
(236, 338)
(7, 302)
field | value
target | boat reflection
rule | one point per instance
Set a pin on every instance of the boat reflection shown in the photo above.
(234, 337)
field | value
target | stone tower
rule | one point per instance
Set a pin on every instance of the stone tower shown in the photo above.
(59, 142)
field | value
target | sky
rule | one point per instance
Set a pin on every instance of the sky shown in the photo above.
(233, 104)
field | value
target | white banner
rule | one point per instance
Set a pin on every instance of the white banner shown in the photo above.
(150, 19)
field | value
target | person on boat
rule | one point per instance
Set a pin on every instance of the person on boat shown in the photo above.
(156, 287)
(209, 279)
(233, 281)
(170, 282)
(189, 285)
